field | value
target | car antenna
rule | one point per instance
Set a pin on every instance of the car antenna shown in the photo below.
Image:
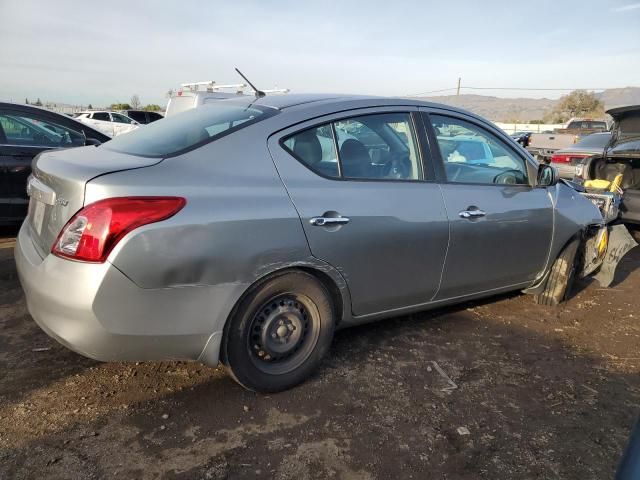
(258, 93)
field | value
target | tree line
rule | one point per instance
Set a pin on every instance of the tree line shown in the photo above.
(134, 104)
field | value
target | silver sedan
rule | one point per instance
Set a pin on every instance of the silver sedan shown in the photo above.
(248, 230)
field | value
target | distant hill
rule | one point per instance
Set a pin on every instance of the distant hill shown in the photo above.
(527, 109)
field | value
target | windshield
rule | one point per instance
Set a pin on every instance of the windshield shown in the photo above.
(188, 130)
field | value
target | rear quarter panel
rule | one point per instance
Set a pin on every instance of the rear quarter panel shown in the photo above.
(238, 225)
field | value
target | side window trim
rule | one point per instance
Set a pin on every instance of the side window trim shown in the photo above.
(424, 151)
(437, 156)
(336, 148)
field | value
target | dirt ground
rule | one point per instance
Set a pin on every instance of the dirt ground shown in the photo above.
(499, 389)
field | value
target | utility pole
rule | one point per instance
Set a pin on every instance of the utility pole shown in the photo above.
(458, 90)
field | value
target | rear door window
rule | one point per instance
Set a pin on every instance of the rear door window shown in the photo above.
(118, 118)
(368, 147)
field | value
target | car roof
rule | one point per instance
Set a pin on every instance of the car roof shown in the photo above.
(283, 102)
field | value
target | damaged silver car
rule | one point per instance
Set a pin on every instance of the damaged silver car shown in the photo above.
(247, 231)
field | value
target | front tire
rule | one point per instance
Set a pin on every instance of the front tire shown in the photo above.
(560, 280)
(280, 333)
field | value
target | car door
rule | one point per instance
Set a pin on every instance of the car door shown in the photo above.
(122, 124)
(501, 224)
(23, 135)
(101, 121)
(368, 203)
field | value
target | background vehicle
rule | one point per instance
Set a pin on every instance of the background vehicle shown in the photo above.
(413, 206)
(542, 146)
(565, 160)
(622, 156)
(109, 123)
(26, 131)
(143, 117)
(196, 94)
(522, 138)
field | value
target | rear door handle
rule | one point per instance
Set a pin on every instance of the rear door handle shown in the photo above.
(472, 213)
(328, 221)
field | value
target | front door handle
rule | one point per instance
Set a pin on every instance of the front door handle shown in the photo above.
(328, 221)
(472, 213)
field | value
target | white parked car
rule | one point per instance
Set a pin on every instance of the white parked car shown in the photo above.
(109, 123)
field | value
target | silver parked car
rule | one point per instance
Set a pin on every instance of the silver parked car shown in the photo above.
(246, 231)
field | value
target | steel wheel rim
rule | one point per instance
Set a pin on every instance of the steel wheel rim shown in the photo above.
(283, 333)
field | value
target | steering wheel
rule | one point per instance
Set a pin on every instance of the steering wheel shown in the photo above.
(397, 166)
(508, 177)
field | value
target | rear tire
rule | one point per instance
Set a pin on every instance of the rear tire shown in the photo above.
(559, 282)
(280, 333)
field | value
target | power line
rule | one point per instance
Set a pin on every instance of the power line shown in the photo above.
(520, 88)
(431, 91)
(461, 87)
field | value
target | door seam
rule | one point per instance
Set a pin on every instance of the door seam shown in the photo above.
(446, 252)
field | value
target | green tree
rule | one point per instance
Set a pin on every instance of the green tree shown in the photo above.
(90, 107)
(120, 106)
(38, 103)
(26, 100)
(152, 107)
(578, 103)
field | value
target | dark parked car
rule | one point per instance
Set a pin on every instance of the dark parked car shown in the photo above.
(522, 138)
(142, 116)
(565, 160)
(26, 131)
(622, 155)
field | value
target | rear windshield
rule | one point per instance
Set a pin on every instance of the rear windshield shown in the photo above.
(597, 140)
(188, 130)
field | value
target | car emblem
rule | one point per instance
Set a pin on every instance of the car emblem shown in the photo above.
(62, 202)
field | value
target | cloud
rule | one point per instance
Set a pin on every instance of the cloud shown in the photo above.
(626, 8)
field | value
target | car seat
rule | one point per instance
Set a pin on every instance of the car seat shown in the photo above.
(356, 162)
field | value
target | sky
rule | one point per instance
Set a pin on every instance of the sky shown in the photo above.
(102, 52)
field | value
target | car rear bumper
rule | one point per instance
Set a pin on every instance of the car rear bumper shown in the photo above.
(565, 170)
(97, 311)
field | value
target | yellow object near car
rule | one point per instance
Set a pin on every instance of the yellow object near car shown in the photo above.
(611, 186)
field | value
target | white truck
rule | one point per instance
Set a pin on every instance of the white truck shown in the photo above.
(196, 94)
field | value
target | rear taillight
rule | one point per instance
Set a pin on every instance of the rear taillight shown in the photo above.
(93, 232)
(561, 158)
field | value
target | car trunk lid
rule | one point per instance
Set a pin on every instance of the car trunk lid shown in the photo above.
(625, 143)
(57, 186)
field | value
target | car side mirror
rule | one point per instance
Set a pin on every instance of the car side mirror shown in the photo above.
(92, 141)
(547, 175)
